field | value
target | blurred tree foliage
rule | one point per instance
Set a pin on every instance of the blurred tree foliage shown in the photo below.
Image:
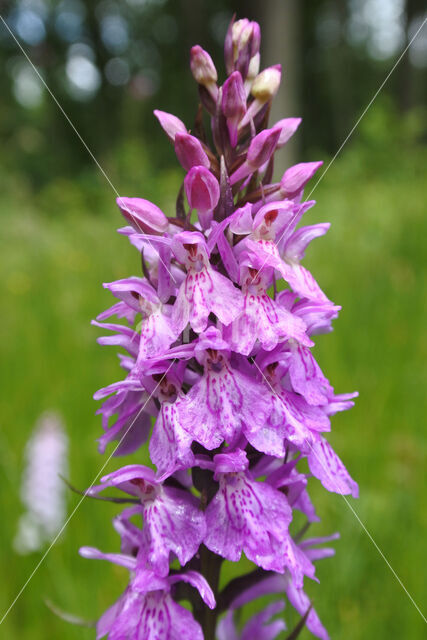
(110, 63)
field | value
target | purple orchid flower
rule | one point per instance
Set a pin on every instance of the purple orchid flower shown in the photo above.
(170, 444)
(156, 332)
(220, 376)
(261, 319)
(147, 610)
(172, 521)
(221, 403)
(204, 290)
(246, 515)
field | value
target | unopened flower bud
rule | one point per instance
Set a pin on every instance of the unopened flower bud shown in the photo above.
(264, 88)
(262, 146)
(170, 124)
(295, 178)
(253, 71)
(260, 151)
(266, 84)
(143, 215)
(241, 45)
(233, 104)
(203, 69)
(190, 152)
(202, 191)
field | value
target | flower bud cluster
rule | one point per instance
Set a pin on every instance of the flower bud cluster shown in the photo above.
(219, 375)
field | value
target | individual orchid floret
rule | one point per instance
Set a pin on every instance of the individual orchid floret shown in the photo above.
(275, 241)
(155, 329)
(262, 319)
(233, 104)
(202, 191)
(143, 215)
(224, 400)
(203, 70)
(173, 522)
(264, 87)
(189, 152)
(204, 290)
(260, 150)
(147, 610)
(170, 444)
(271, 222)
(170, 124)
(242, 44)
(246, 515)
(291, 418)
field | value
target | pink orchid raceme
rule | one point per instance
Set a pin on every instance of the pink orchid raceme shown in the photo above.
(217, 335)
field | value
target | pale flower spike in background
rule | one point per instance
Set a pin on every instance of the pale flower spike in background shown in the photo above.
(219, 365)
(43, 492)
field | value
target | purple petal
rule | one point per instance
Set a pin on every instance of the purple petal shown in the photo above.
(287, 127)
(247, 516)
(143, 215)
(198, 582)
(327, 467)
(170, 123)
(220, 403)
(307, 377)
(202, 191)
(295, 178)
(117, 558)
(297, 244)
(190, 152)
(122, 479)
(200, 294)
(170, 444)
(176, 525)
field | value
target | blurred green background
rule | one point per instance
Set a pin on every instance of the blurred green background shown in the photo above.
(109, 64)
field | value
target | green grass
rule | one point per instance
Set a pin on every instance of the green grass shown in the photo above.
(52, 266)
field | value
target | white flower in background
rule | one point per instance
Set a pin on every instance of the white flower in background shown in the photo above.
(42, 489)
